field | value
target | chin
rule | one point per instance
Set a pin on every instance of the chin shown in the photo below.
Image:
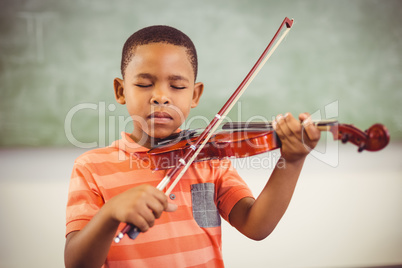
(161, 133)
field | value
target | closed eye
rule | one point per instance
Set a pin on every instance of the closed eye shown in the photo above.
(143, 85)
(178, 87)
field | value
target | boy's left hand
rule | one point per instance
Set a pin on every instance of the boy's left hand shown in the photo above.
(298, 137)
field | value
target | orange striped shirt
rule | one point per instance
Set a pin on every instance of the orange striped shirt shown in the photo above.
(188, 237)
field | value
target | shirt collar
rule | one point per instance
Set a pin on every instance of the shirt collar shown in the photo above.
(128, 145)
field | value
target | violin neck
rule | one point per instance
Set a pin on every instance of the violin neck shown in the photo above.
(373, 139)
(322, 125)
(325, 125)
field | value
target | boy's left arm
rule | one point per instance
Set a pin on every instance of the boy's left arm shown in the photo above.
(258, 218)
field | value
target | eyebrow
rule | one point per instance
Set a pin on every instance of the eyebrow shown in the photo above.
(170, 77)
(177, 78)
(145, 76)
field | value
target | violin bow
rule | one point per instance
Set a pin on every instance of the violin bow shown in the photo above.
(192, 152)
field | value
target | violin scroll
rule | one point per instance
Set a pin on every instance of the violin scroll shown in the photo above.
(378, 137)
(373, 139)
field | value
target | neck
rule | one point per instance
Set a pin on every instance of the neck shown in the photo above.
(142, 139)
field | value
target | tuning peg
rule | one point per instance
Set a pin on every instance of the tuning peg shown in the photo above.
(345, 137)
(362, 146)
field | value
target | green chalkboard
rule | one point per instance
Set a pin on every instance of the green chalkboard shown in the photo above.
(58, 59)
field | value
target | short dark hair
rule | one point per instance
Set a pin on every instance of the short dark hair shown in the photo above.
(158, 34)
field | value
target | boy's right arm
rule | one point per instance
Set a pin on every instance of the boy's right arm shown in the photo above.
(139, 206)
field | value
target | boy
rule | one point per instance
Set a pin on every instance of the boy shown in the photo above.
(113, 186)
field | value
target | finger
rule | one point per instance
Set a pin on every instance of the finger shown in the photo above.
(304, 116)
(171, 207)
(294, 126)
(290, 129)
(313, 133)
(156, 207)
(161, 197)
(143, 220)
(279, 127)
(309, 127)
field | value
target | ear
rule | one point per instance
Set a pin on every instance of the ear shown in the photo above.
(118, 85)
(198, 89)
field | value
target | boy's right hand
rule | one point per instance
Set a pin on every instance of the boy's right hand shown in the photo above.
(139, 206)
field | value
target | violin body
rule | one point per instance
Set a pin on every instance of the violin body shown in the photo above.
(221, 145)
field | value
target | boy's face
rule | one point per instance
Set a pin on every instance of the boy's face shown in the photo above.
(158, 89)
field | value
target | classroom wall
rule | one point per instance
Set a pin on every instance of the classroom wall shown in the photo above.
(58, 60)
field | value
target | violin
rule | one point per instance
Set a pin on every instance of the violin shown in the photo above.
(244, 139)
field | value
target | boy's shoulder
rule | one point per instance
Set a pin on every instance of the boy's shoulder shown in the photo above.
(119, 150)
(97, 155)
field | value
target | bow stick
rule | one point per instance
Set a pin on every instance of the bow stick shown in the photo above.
(195, 148)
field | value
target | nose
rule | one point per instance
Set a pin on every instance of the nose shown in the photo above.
(160, 96)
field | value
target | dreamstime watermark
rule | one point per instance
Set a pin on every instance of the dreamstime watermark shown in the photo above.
(108, 124)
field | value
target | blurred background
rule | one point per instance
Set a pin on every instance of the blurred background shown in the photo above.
(341, 60)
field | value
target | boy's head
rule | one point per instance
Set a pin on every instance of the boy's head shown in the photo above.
(158, 34)
(159, 66)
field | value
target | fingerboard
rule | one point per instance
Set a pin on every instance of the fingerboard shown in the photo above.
(321, 124)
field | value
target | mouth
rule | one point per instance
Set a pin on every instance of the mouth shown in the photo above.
(160, 117)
